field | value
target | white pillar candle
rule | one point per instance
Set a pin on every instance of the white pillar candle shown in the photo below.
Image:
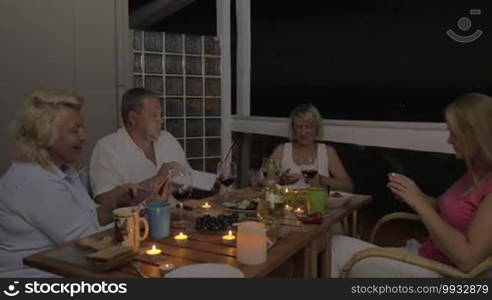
(251, 243)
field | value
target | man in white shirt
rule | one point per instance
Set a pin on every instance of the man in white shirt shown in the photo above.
(137, 153)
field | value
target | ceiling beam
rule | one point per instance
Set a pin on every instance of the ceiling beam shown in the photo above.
(155, 11)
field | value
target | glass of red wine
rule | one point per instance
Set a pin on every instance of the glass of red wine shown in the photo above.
(309, 170)
(181, 188)
(226, 174)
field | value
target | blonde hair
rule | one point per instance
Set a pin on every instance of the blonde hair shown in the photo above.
(34, 129)
(470, 118)
(306, 112)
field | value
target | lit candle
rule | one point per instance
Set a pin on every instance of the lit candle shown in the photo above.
(299, 210)
(229, 236)
(286, 190)
(251, 243)
(206, 205)
(181, 237)
(166, 267)
(153, 251)
(288, 207)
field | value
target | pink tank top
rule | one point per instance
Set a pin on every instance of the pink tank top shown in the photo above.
(457, 209)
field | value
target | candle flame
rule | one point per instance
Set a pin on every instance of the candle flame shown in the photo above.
(230, 232)
(153, 248)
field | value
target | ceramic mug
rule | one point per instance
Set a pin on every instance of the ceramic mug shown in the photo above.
(159, 219)
(127, 227)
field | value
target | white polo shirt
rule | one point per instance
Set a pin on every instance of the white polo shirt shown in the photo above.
(117, 160)
(40, 209)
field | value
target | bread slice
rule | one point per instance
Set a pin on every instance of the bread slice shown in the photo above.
(95, 243)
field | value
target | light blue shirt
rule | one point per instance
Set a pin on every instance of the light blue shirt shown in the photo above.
(39, 209)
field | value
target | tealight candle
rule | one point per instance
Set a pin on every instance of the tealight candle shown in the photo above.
(288, 207)
(166, 267)
(153, 251)
(299, 210)
(206, 205)
(181, 237)
(229, 236)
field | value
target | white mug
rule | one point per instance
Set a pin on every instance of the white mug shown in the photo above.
(127, 227)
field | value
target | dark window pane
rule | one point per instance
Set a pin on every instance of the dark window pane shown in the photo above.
(194, 148)
(194, 127)
(212, 107)
(194, 107)
(212, 147)
(174, 107)
(174, 86)
(175, 127)
(212, 127)
(153, 41)
(174, 43)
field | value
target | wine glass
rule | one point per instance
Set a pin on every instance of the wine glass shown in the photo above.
(181, 189)
(309, 169)
(226, 174)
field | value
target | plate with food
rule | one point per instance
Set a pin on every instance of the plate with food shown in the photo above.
(337, 199)
(245, 205)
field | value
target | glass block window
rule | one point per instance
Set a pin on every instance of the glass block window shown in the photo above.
(184, 70)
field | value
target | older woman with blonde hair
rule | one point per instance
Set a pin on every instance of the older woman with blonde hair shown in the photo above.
(42, 200)
(305, 125)
(459, 221)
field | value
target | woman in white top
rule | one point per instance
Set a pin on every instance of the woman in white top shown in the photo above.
(305, 127)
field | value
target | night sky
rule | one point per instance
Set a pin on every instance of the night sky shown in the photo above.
(370, 60)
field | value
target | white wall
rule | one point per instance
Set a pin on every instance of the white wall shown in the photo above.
(66, 44)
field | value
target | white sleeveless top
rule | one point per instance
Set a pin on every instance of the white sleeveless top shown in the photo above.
(288, 163)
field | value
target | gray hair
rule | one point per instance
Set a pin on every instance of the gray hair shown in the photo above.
(307, 112)
(133, 101)
(34, 129)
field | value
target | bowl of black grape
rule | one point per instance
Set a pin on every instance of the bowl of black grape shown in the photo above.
(216, 224)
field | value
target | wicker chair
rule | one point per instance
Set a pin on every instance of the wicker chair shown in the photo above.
(443, 269)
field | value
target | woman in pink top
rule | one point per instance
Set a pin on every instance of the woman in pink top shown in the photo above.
(459, 221)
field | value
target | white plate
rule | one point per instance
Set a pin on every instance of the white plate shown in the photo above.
(334, 202)
(206, 271)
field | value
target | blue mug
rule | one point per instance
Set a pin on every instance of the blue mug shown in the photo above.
(159, 219)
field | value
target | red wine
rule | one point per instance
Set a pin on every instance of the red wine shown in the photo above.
(227, 181)
(309, 174)
(180, 195)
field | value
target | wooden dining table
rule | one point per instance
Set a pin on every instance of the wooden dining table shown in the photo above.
(299, 250)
